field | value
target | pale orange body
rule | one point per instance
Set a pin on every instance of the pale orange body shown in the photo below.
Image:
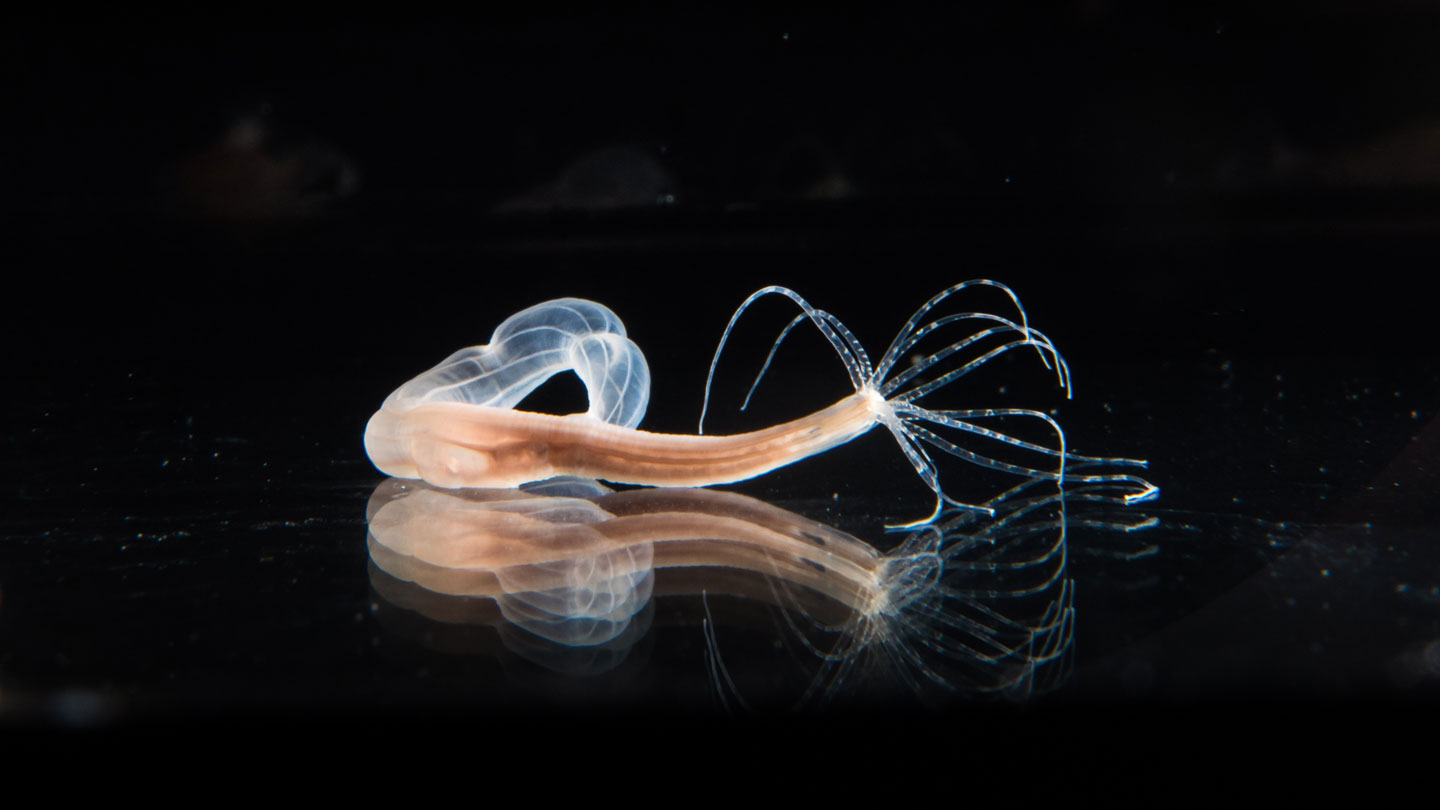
(455, 445)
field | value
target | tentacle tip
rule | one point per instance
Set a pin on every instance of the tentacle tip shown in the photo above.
(925, 521)
(1150, 493)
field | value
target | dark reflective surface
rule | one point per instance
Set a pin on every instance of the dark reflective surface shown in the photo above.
(1192, 210)
(564, 573)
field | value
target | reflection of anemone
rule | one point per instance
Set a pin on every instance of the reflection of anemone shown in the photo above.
(971, 605)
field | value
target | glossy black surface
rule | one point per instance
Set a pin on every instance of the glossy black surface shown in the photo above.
(1243, 301)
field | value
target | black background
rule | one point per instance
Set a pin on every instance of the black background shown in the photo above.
(1226, 217)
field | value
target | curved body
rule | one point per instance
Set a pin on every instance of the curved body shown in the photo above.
(452, 445)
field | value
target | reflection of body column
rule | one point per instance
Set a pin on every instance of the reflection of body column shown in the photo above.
(973, 604)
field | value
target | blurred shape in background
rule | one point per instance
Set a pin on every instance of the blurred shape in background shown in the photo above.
(259, 172)
(1406, 157)
(605, 179)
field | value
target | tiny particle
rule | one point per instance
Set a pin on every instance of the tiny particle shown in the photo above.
(1402, 588)
(1324, 572)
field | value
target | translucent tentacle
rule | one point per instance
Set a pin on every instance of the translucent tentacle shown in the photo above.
(982, 461)
(955, 374)
(857, 365)
(955, 419)
(897, 347)
(856, 349)
(769, 358)
(1062, 369)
